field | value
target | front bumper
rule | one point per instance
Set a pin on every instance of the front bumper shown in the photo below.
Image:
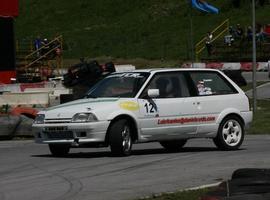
(72, 133)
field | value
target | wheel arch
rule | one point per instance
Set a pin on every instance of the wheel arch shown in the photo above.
(234, 115)
(230, 112)
(132, 121)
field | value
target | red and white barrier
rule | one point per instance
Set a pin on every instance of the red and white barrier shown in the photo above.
(22, 87)
(244, 66)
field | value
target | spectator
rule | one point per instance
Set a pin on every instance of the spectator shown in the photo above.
(228, 39)
(249, 33)
(239, 31)
(37, 44)
(232, 31)
(44, 42)
(260, 35)
(208, 43)
(45, 46)
(58, 54)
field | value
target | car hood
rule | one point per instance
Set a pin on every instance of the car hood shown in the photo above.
(67, 110)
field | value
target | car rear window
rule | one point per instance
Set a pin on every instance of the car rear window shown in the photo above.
(211, 83)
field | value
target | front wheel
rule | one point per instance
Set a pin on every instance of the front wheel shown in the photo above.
(59, 150)
(174, 145)
(120, 138)
(230, 134)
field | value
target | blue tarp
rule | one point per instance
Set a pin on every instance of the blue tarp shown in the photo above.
(204, 6)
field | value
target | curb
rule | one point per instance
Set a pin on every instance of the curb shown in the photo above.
(183, 190)
(202, 186)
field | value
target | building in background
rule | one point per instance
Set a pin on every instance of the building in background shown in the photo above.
(9, 9)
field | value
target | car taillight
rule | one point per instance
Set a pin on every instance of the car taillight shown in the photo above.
(249, 102)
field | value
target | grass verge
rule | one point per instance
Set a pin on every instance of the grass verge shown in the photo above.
(261, 119)
(152, 29)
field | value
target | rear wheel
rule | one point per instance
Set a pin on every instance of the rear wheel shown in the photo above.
(120, 138)
(59, 150)
(174, 145)
(230, 134)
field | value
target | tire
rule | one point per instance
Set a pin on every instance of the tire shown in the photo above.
(230, 134)
(251, 173)
(173, 146)
(59, 150)
(120, 139)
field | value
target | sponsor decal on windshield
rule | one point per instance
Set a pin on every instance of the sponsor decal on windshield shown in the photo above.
(127, 75)
(185, 120)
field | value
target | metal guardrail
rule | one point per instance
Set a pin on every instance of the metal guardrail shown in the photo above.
(217, 33)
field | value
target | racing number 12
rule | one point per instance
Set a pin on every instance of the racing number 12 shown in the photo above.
(149, 108)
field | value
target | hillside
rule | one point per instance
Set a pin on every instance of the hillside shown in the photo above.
(150, 29)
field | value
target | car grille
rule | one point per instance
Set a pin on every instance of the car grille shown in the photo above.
(57, 121)
(58, 133)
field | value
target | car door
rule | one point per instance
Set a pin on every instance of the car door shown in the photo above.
(170, 114)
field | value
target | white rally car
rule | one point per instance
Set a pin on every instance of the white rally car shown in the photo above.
(168, 106)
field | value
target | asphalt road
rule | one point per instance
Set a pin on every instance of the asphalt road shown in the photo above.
(28, 172)
(260, 76)
(263, 91)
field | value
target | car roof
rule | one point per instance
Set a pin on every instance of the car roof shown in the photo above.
(155, 70)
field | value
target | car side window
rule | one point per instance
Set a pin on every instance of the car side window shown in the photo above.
(170, 85)
(211, 83)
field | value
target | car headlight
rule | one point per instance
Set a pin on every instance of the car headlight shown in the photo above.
(39, 119)
(84, 117)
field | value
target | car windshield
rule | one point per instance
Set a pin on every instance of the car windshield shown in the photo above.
(119, 85)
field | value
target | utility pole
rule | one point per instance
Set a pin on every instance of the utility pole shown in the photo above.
(254, 67)
(191, 33)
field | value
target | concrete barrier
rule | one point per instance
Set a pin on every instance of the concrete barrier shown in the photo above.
(21, 87)
(25, 99)
(24, 129)
(9, 124)
(15, 126)
(124, 68)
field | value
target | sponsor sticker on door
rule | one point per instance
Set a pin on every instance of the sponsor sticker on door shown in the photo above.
(186, 120)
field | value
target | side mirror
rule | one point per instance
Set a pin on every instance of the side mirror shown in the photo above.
(153, 93)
